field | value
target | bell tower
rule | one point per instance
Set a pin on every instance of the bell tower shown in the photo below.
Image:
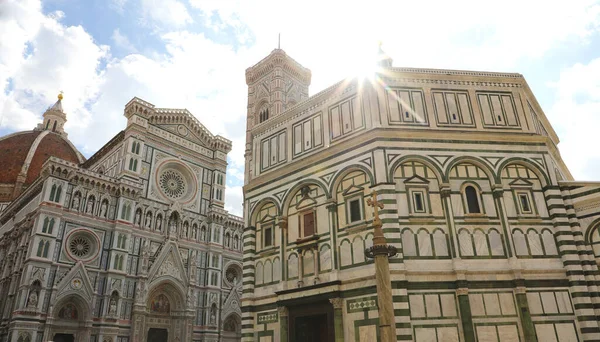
(275, 84)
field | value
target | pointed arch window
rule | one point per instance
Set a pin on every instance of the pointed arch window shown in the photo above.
(472, 199)
(264, 115)
(43, 247)
(54, 127)
(48, 225)
(55, 193)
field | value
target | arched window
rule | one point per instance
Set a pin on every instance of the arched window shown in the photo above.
(135, 165)
(53, 192)
(47, 124)
(472, 200)
(58, 193)
(264, 115)
(50, 226)
(409, 245)
(54, 127)
(45, 227)
(40, 249)
(46, 247)
(133, 147)
(137, 149)
(549, 242)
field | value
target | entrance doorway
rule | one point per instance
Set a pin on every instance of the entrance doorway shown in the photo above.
(158, 335)
(64, 338)
(311, 323)
(311, 328)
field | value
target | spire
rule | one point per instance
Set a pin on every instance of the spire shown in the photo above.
(54, 118)
(383, 60)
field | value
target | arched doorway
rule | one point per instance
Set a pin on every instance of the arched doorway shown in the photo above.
(232, 328)
(70, 320)
(164, 317)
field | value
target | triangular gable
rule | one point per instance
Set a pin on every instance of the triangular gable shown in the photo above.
(305, 202)
(187, 133)
(352, 189)
(416, 180)
(76, 281)
(168, 264)
(232, 303)
(521, 182)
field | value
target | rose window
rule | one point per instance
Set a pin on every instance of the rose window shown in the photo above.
(80, 246)
(232, 275)
(172, 184)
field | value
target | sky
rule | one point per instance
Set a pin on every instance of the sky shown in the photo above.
(193, 54)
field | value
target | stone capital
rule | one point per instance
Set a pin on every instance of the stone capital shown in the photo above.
(498, 192)
(283, 311)
(462, 291)
(445, 192)
(338, 303)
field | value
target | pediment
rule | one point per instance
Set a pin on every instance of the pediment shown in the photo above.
(232, 303)
(186, 131)
(416, 180)
(521, 182)
(305, 202)
(169, 264)
(76, 281)
(352, 189)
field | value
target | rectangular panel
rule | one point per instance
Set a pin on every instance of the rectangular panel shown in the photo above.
(440, 108)
(432, 304)
(508, 333)
(549, 302)
(334, 115)
(346, 121)
(509, 109)
(394, 109)
(447, 334)
(497, 110)
(492, 306)
(448, 305)
(419, 108)
(307, 135)
(425, 335)
(476, 301)
(357, 115)
(265, 154)
(507, 304)
(486, 111)
(367, 333)
(282, 146)
(452, 108)
(417, 306)
(318, 134)
(564, 302)
(545, 332)
(273, 152)
(406, 109)
(297, 139)
(487, 334)
(465, 109)
(566, 332)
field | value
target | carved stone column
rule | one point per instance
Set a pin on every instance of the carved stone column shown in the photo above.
(522, 304)
(283, 323)
(338, 318)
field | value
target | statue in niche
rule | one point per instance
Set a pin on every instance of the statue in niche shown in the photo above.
(148, 220)
(138, 218)
(76, 200)
(90, 205)
(213, 315)
(103, 208)
(112, 311)
(203, 234)
(158, 223)
(33, 300)
(173, 226)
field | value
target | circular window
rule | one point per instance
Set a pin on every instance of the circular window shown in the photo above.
(175, 181)
(232, 275)
(82, 244)
(172, 184)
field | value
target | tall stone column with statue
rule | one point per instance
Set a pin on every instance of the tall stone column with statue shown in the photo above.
(381, 251)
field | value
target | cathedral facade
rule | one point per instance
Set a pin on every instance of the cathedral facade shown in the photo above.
(495, 240)
(132, 244)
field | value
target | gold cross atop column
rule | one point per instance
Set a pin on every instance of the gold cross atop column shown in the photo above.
(378, 238)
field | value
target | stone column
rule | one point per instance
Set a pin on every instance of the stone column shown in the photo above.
(316, 263)
(526, 322)
(338, 318)
(300, 268)
(283, 323)
(498, 194)
(465, 313)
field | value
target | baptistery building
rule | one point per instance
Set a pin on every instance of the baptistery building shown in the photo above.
(132, 244)
(495, 240)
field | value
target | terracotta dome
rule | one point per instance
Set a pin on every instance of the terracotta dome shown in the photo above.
(23, 154)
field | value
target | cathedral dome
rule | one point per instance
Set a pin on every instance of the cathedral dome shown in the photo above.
(23, 154)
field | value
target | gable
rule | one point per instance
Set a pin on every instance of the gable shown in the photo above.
(76, 281)
(168, 264)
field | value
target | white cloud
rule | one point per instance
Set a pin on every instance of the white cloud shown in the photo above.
(234, 200)
(42, 59)
(118, 5)
(575, 114)
(122, 41)
(166, 13)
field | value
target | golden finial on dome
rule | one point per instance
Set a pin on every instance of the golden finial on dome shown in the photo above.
(60, 95)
